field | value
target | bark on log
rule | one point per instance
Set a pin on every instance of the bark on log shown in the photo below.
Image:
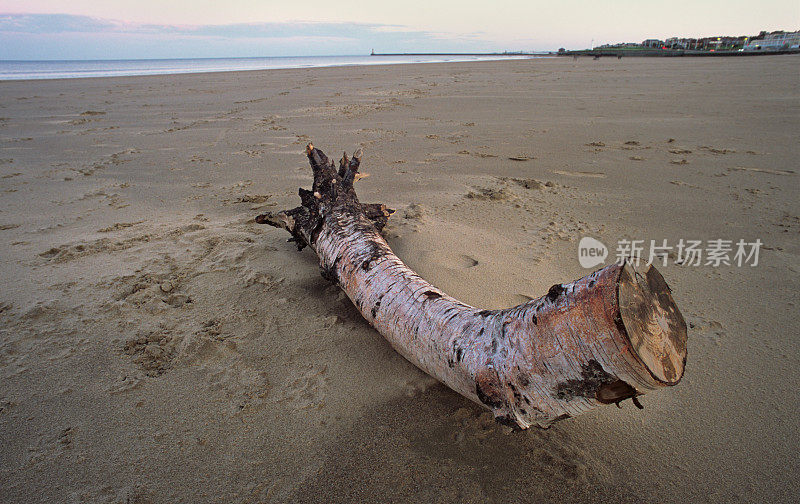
(612, 335)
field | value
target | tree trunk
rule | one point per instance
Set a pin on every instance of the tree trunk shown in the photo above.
(612, 335)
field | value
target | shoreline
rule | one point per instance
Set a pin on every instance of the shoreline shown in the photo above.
(502, 54)
(144, 70)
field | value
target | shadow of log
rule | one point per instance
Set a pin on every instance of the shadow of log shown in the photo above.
(437, 447)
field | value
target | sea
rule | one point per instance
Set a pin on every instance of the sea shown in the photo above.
(74, 69)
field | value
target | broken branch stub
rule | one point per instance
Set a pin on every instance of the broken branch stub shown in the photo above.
(612, 335)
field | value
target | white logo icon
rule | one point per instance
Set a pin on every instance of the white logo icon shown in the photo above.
(591, 252)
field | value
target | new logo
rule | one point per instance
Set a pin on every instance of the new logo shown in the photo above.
(591, 252)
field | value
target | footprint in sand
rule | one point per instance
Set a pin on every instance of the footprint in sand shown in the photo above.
(580, 173)
(465, 261)
(762, 170)
(414, 211)
(124, 382)
(717, 151)
(253, 198)
(685, 184)
(245, 388)
(489, 193)
(154, 352)
(50, 446)
(307, 389)
(711, 329)
(529, 183)
(482, 155)
(118, 226)
(632, 145)
(460, 261)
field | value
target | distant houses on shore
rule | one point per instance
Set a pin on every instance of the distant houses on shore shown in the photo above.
(764, 41)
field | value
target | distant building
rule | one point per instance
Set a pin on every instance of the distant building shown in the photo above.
(763, 41)
(774, 41)
(653, 43)
(621, 45)
(721, 43)
(725, 43)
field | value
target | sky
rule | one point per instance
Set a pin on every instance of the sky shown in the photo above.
(119, 29)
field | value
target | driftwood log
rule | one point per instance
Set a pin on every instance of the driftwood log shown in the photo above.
(612, 335)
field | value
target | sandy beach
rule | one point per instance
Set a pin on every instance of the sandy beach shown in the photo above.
(156, 345)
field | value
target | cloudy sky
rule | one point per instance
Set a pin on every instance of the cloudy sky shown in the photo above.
(108, 29)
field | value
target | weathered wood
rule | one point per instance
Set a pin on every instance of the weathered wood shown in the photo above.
(612, 335)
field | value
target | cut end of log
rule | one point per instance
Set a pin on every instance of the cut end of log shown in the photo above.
(652, 322)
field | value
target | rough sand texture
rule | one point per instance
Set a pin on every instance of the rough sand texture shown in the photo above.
(158, 346)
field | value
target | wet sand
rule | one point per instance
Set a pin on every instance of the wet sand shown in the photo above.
(156, 345)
